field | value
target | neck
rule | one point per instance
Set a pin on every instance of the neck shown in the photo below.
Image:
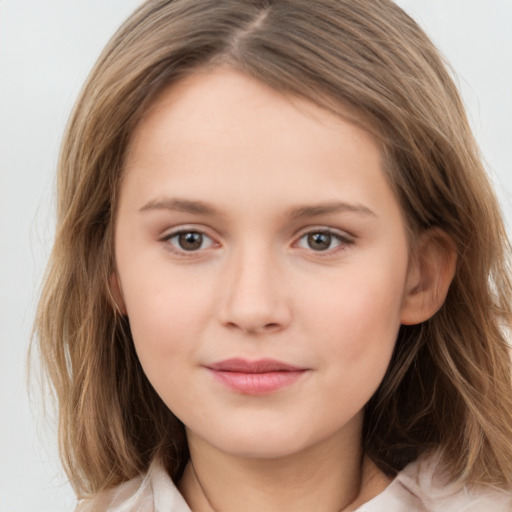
(331, 476)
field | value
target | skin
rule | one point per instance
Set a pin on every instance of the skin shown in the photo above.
(255, 172)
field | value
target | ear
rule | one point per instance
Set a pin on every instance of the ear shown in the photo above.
(116, 293)
(430, 274)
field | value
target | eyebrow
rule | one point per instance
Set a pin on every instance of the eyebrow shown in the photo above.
(180, 205)
(300, 212)
(316, 210)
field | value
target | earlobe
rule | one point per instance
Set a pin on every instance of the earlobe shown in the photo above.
(116, 293)
(430, 275)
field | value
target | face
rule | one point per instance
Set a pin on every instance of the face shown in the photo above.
(262, 261)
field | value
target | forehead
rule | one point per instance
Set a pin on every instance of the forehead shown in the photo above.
(223, 134)
(212, 97)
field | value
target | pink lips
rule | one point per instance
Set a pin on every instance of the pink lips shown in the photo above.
(255, 377)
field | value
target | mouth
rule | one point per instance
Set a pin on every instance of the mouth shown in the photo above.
(259, 377)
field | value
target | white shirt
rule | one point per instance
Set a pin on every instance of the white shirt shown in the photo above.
(415, 489)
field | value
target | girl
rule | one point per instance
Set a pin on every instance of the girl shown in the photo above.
(280, 278)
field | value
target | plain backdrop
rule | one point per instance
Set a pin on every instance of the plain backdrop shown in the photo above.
(46, 50)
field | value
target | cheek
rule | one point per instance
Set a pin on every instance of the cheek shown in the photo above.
(360, 316)
(166, 317)
(359, 337)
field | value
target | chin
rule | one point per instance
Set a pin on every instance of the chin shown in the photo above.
(261, 447)
(265, 442)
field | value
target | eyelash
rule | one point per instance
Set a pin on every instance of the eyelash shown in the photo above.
(343, 241)
(167, 239)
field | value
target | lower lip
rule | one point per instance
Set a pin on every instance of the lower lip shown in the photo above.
(257, 383)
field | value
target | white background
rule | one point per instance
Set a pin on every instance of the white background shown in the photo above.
(46, 50)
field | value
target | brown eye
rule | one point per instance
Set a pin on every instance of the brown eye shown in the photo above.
(319, 241)
(190, 241)
(328, 241)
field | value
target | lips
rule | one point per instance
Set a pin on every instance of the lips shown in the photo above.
(255, 377)
(260, 366)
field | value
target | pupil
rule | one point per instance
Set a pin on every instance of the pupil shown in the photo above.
(319, 241)
(190, 241)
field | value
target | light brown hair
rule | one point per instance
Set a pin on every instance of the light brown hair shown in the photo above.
(448, 386)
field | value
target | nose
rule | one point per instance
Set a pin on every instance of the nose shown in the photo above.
(255, 297)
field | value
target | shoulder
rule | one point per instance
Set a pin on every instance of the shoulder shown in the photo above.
(426, 480)
(152, 492)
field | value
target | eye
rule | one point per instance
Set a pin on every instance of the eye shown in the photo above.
(189, 241)
(322, 241)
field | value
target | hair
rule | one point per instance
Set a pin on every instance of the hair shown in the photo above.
(448, 387)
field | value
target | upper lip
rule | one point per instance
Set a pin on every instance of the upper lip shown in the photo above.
(259, 366)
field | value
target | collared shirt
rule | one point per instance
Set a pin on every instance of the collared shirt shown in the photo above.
(415, 489)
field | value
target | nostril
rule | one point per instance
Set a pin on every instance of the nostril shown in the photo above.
(255, 329)
(271, 327)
